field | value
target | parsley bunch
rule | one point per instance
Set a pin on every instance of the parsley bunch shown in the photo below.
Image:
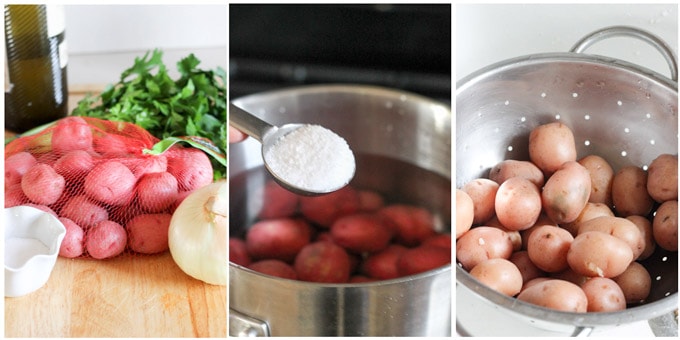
(194, 105)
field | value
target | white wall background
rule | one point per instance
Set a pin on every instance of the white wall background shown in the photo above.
(103, 40)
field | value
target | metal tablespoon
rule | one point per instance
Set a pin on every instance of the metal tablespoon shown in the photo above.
(317, 166)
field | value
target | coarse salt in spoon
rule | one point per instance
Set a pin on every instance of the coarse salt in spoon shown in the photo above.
(306, 159)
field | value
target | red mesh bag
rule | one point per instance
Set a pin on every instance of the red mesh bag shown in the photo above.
(99, 178)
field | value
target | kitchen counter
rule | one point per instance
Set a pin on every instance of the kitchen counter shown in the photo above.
(126, 296)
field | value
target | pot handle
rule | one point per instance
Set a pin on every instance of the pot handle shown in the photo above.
(242, 325)
(615, 31)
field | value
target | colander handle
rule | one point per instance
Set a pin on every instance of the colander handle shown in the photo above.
(617, 31)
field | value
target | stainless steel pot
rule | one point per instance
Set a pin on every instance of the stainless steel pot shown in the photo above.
(380, 125)
(625, 113)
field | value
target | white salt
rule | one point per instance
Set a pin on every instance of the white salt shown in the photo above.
(18, 250)
(312, 158)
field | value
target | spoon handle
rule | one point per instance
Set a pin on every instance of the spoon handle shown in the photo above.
(248, 123)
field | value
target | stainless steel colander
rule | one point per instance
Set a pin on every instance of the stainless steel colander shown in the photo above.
(617, 110)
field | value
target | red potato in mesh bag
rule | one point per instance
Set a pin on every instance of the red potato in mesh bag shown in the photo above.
(157, 191)
(411, 224)
(280, 238)
(566, 192)
(16, 166)
(421, 259)
(361, 232)
(74, 165)
(84, 211)
(323, 262)
(191, 167)
(42, 185)
(71, 133)
(110, 182)
(383, 265)
(238, 253)
(105, 240)
(14, 196)
(148, 233)
(550, 146)
(325, 209)
(147, 164)
(518, 203)
(72, 244)
(276, 268)
(662, 179)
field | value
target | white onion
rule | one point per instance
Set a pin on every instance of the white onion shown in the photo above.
(198, 234)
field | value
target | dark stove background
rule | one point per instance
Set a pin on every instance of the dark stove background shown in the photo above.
(399, 46)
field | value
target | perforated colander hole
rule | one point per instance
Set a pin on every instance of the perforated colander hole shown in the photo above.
(658, 278)
(557, 116)
(667, 294)
(543, 95)
(664, 259)
(648, 115)
(523, 119)
(619, 103)
(626, 130)
(651, 141)
(586, 142)
(586, 117)
(509, 147)
(574, 95)
(645, 167)
(624, 153)
(507, 102)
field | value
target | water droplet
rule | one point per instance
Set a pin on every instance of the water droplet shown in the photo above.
(509, 147)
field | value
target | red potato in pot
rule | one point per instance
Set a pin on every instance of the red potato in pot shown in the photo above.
(72, 244)
(464, 212)
(566, 192)
(110, 182)
(513, 168)
(482, 191)
(383, 265)
(602, 176)
(595, 253)
(482, 243)
(280, 238)
(361, 233)
(421, 259)
(618, 227)
(148, 233)
(604, 295)
(42, 185)
(438, 240)
(156, 191)
(644, 225)
(325, 209)
(105, 240)
(84, 211)
(635, 282)
(517, 203)
(629, 192)
(548, 247)
(16, 166)
(323, 262)
(550, 146)
(370, 201)
(665, 226)
(662, 178)
(277, 202)
(556, 294)
(191, 167)
(411, 224)
(238, 252)
(273, 267)
(500, 275)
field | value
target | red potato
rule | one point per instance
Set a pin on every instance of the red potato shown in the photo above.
(526, 267)
(464, 212)
(601, 176)
(72, 244)
(665, 226)
(238, 252)
(325, 209)
(191, 167)
(595, 253)
(84, 212)
(513, 168)
(438, 240)
(14, 196)
(662, 179)
(43, 208)
(42, 185)
(618, 227)
(370, 201)
(148, 233)
(149, 164)
(71, 133)
(74, 165)
(644, 225)
(566, 192)
(548, 247)
(280, 238)
(360, 279)
(571, 276)
(604, 295)
(518, 203)
(277, 202)
(156, 191)
(105, 240)
(383, 265)
(635, 282)
(276, 268)
(590, 211)
(362, 232)
(629, 192)
(500, 275)
(16, 166)
(550, 146)
(534, 281)
(515, 235)
(112, 145)
(482, 191)
(556, 294)
(482, 243)
(421, 259)
(323, 262)
(412, 225)
(110, 182)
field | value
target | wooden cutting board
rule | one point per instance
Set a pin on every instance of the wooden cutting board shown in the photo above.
(127, 296)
